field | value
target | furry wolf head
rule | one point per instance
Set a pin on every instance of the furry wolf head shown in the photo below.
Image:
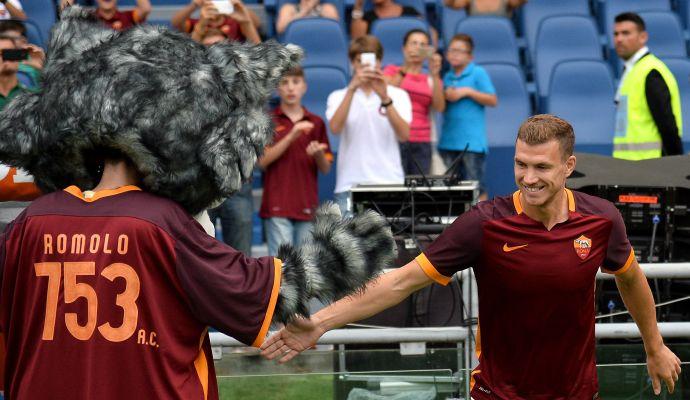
(190, 118)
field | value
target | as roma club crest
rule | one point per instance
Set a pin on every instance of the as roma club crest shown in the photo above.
(582, 245)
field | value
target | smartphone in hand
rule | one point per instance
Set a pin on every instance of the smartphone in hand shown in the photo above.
(224, 7)
(368, 60)
(15, 54)
(426, 51)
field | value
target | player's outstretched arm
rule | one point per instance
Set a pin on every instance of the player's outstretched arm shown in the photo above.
(662, 364)
(379, 294)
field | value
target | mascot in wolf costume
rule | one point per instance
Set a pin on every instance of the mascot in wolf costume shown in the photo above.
(190, 120)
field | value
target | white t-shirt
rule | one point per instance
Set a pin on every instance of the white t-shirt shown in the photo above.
(4, 14)
(368, 151)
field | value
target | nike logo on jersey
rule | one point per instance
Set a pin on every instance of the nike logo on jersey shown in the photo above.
(508, 249)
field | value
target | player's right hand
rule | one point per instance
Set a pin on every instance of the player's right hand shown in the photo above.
(663, 366)
(286, 344)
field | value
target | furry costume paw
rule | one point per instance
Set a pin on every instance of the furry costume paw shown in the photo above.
(341, 257)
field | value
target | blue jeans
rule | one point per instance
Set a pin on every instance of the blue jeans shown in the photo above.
(235, 215)
(419, 152)
(344, 202)
(285, 230)
(471, 168)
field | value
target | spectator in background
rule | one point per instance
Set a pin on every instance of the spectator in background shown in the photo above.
(242, 25)
(499, 8)
(34, 64)
(304, 9)
(468, 90)
(362, 21)
(11, 9)
(649, 120)
(426, 94)
(291, 164)
(107, 12)
(372, 117)
(9, 83)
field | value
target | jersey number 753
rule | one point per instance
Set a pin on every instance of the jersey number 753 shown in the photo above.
(74, 290)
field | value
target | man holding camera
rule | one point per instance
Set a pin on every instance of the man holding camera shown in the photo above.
(10, 57)
(372, 117)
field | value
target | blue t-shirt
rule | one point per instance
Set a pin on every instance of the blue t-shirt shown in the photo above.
(463, 121)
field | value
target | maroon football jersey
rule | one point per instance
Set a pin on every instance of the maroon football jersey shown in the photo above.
(122, 20)
(536, 293)
(109, 296)
(294, 172)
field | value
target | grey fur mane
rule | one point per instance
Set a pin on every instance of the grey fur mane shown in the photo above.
(190, 118)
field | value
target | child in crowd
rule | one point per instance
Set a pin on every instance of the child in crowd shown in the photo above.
(300, 149)
(468, 90)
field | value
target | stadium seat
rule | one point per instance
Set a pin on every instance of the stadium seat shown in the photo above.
(160, 22)
(494, 39)
(611, 8)
(41, 13)
(391, 31)
(502, 123)
(582, 93)
(665, 34)
(323, 41)
(681, 70)
(33, 34)
(563, 38)
(683, 9)
(449, 20)
(536, 11)
(320, 83)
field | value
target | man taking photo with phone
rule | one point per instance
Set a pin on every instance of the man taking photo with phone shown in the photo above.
(371, 117)
(10, 57)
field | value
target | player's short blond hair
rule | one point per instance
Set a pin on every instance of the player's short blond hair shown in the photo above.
(539, 129)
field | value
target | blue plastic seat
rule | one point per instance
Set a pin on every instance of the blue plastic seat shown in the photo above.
(535, 11)
(680, 67)
(320, 83)
(323, 41)
(450, 18)
(33, 34)
(391, 31)
(611, 8)
(582, 93)
(494, 39)
(502, 123)
(563, 38)
(683, 10)
(42, 13)
(665, 34)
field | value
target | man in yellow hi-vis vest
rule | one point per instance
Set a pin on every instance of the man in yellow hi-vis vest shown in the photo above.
(648, 118)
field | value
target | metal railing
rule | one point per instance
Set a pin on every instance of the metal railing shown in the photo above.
(461, 335)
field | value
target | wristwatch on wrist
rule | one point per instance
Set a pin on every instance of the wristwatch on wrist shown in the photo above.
(355, 14)
(384, 106)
